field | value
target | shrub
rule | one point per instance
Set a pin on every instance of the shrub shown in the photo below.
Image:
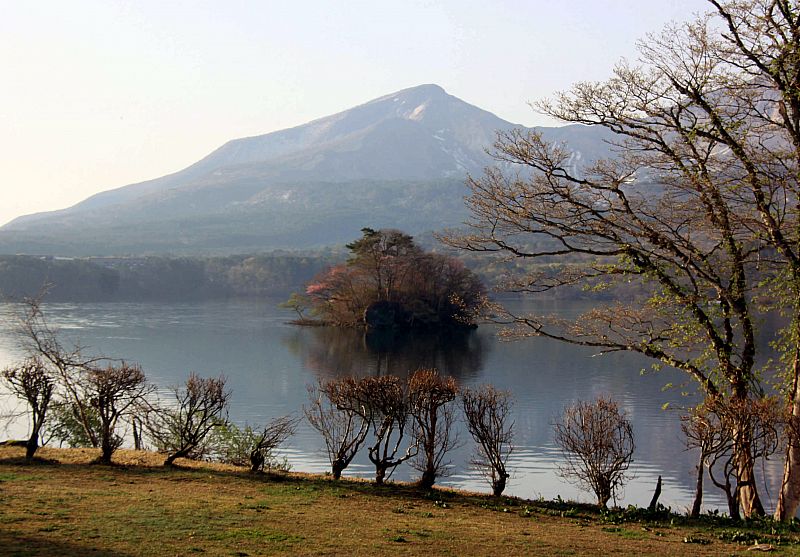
(597, 442)
(487, 412)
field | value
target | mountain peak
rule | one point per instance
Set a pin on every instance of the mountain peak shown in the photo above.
(418, 94)
(396, 161)
(425, 88)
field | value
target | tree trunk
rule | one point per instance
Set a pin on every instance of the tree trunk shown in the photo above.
(733, 505)
(603, 491)
(107, 447)
(748, 494)
(428, 478)
(698, 488)
(33, 441)
(336, 469)
(176, 455)
(380, 474)
(106, 451)
(499, 485)
(257, 461)
(789, 497)
(137, 435)
(656, 495)
(31, 446)
(746, 488)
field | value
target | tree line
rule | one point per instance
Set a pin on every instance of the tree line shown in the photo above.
(165, 278)
(158, 278)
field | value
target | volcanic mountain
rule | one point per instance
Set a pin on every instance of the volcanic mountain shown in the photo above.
(398, 161)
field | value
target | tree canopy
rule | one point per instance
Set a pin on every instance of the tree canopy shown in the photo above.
(388, 281)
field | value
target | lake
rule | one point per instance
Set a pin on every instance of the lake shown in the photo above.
(269, 363)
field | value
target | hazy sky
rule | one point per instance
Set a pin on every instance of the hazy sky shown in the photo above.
(100, 94)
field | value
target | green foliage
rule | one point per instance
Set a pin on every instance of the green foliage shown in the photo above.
(234, 445)
(297, 303)
(65, 426)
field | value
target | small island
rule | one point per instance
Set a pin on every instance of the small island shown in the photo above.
(390, 283)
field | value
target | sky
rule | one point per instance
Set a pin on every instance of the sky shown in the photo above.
(100, 94)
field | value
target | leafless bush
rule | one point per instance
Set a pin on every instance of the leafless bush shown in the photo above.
(112, 392)
(487, 412)
(254, 447)
(388, 409)
(182, 429)
(331, 411)
(31, 381)
(431, 397)
(597, 441)
(717, 427)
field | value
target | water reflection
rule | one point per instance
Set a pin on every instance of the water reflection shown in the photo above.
(332, 352)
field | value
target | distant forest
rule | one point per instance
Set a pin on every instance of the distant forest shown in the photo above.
(158, 278)
(165, 278)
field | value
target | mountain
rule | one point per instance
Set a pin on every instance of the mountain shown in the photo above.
(396, 161)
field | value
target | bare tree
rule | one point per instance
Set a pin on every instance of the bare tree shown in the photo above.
(713, 427)
(434, 415)
(487, 412)
(31, 380)
(69, 365)
(389, 412)
(113, 392)
(268, 439)
(597, 442)
(182, 429)
(331, 412)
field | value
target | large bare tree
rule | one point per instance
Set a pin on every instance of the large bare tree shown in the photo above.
(698, 208)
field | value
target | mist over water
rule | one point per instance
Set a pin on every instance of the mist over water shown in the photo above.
(269, 363)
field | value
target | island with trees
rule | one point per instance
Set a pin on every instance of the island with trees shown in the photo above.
(388, 282)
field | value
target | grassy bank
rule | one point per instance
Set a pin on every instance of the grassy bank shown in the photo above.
(63, 505)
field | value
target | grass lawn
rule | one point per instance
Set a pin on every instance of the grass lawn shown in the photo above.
(63, 505)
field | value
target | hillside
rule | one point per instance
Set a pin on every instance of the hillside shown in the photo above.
(397, 161)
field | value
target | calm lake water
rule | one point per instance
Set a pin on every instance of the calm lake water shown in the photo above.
(269, 363)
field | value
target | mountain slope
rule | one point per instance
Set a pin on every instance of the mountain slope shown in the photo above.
(397, 161)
